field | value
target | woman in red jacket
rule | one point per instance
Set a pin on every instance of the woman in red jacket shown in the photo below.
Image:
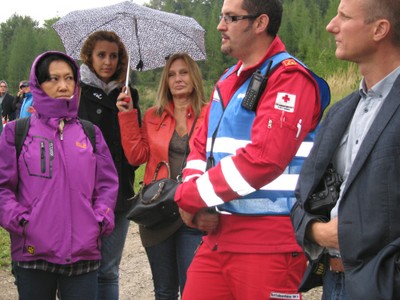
(163, 137)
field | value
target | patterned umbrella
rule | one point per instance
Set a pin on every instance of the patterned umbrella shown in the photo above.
(149, 35)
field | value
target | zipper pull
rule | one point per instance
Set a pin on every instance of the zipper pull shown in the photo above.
(269, 124)
(61, 129)
(298, 129)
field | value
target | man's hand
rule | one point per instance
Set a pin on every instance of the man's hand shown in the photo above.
(187, 218)
(325, 234)
(203, 220)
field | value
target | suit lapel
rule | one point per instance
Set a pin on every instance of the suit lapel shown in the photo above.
(327, 142)
(382, 119)
(337, 127)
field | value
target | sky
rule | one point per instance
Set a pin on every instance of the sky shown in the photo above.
(40, 10)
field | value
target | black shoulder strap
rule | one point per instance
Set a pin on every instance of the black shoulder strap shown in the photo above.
(21, 130)
(90, 132)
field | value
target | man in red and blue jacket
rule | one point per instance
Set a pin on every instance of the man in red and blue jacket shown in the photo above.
(243, 200)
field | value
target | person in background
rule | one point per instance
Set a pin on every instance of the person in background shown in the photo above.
(244, 164)
(6, 100)
(163, 137)
(27, 102)
(19, 98)
(103, 72)
(360, 237)
(1, 123)
(57, 197)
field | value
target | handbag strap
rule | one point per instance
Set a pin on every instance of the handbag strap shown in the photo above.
(186, 153)
(161, 163)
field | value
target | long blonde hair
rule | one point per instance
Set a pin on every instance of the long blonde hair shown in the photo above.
(164, 96)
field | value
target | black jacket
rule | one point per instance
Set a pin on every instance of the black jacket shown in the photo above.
(99, 108)
(8, 110)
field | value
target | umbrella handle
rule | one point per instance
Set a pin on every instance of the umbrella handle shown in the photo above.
(127, 75)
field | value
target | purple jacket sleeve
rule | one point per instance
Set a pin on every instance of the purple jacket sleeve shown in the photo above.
(106, 186)
(11, 212)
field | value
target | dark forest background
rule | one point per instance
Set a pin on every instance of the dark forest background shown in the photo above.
(302, 30)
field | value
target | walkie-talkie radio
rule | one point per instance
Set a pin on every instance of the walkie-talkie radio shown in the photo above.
(255, 89)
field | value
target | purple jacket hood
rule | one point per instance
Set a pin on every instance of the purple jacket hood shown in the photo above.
(46, 106)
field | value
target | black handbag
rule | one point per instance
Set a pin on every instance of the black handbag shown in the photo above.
(154, 206)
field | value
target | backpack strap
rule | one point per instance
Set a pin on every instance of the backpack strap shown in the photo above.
(90, 132)
(22, 127)
(21, 130)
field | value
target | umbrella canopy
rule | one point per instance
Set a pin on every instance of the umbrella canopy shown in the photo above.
(148, 34)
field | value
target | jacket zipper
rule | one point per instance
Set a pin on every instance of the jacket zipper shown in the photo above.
(42, 157)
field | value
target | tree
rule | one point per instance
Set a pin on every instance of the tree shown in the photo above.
(302, 30)
(19, 36)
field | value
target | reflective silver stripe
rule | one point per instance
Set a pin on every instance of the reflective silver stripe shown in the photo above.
(285, 182)
(196, 164)
(233, 177)
(187, 178)
(226, 145)
(304, 149)
(206, 191)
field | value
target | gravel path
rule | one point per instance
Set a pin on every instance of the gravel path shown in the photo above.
(135, 275)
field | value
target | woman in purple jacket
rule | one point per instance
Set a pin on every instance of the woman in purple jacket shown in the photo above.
(57, 197)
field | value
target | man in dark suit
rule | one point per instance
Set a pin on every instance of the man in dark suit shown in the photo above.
(6, 101)
(359, 238)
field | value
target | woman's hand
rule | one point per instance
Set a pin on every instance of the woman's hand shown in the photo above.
(124, 101)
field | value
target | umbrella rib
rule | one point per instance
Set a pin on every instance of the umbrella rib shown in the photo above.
(138, 41)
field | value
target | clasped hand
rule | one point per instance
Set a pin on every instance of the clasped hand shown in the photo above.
(202, 220)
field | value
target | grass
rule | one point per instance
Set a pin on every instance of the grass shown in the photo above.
(341, 84)
(4, 248)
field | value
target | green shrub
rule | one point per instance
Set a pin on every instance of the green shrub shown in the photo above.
(5, 259)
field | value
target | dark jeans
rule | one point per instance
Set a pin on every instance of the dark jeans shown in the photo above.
(40, 285)
(334, 287)
(111, 253)
(170, 260)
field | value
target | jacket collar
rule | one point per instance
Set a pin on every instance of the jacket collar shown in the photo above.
(389, 108)
(90, 78)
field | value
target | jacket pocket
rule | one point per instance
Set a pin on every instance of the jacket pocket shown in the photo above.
(38, 157)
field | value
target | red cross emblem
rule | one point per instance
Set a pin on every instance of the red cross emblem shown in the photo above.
(286, 98)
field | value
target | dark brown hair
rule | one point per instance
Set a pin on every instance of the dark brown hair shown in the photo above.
(112, 37)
